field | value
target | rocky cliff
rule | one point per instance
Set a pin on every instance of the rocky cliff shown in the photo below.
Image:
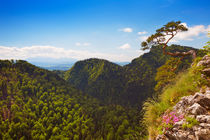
(190, 117)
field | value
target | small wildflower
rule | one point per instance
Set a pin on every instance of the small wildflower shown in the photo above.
(170, 119)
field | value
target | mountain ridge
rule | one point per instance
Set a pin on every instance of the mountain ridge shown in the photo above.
(128, 84)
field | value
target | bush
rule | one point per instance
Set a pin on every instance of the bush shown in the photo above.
(190, 122)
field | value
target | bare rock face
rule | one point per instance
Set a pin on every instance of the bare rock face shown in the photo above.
(203, 118)
(203, 134)
(205, 61)
(202, 99)
(196, 109)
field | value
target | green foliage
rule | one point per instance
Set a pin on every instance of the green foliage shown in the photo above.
(38, 104)
(129, 85)
(190, 122)
(167, 72)
(207, 47)
(99, 78)
(60, 73)
(165, 75)
(160, 37)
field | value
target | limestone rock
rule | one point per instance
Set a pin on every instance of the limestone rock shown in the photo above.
(179, 123)
(180, 107)
(201, 99)
(161, 137)
(203, 118)
(205, 125)
(182, 135)
(207, 90)
(203, 134)
(191, 137)
(205, 61)
(196, 109)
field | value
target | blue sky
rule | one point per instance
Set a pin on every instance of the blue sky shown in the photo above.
(80, 29)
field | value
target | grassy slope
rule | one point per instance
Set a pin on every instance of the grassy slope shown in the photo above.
(186, 83)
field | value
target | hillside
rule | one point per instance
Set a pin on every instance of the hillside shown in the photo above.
(37, 104)
(128, 85)
(181, 111)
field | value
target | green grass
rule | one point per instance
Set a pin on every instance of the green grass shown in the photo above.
(184, 84)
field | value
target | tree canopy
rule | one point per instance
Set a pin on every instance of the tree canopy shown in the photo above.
(166, 34)
(36, 104)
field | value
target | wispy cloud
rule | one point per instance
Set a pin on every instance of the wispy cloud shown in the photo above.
(57, 53)
(142, 33)
(125, 46)
(127, 30)
(192, 33)
(82, 44)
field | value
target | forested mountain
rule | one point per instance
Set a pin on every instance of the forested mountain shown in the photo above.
(99, 78)
(38, 104)
(126, 85)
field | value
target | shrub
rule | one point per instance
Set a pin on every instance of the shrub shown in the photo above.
(190, 122)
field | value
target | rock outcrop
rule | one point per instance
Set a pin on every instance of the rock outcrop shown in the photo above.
(197, 108)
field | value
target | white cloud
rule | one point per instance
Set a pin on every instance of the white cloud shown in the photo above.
(57, 53)
(192, 33)
(143, 38)
(86, 44)
(78, 44)
(125, 46)
(82, 44)
(127, 30)
(142, 33)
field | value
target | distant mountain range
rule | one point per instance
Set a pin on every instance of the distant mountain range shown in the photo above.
(59, 64)
(62, 67)
(52, 64)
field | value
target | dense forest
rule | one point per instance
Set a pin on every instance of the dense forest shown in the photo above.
(38, 104)
(127, 85)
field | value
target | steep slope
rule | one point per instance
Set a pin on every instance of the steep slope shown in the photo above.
(38, 104)
(130, 84)
(195, 110)
(181, 111)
